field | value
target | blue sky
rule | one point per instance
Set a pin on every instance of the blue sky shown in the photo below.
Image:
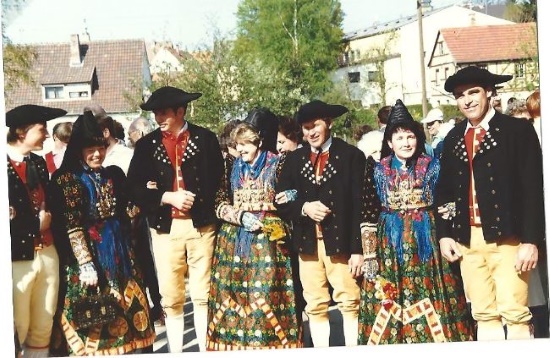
(184, 22)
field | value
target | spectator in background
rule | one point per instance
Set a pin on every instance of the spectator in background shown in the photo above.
(119, 132)
(117, 154)
(382, 117)
(518, 109)
(496, 101)
(371, 144)
(289, 136)
(433, 121)
(61, 133)
(437, 129)
(139, 128)
(227, 145)
(533, 107)
(509, 104)
(358, 132)
(538, 283)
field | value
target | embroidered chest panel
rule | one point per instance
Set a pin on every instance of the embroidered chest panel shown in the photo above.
(161, 155)
(192, 149)
(308, 172)
(251, 199)
(406, 189)
(488, 143)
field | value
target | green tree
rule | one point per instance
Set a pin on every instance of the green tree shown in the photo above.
(231, 84)
(521, 10)
(18, 59)
(300, 39)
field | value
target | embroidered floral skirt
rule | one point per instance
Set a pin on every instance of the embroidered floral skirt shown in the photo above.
(412, 301)
(131, 329)
(252, 302)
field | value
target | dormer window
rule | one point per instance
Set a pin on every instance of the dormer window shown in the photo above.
(72, 91)
(54, 92)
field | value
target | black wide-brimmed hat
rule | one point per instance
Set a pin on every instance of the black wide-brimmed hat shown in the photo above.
(31, 114)
(267, 125)
(474, 75)
(319, 110)
(400, 117)
(168, 97)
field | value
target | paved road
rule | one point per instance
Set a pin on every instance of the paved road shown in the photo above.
(190, 338)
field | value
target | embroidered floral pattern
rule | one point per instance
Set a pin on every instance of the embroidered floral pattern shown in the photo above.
(105, 241)
(251, 303)
(411, 269)
(274, 229)
(386, 291)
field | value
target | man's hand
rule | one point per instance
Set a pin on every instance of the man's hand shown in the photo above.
(354, 263)
(527, 257)
(182, 199)
(449, 249)
(316, 210)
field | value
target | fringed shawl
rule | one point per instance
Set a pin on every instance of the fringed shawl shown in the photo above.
(261, 175)
(106, 233)
(404, 192)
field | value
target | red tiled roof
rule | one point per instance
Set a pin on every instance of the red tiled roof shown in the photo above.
(112, 65)
(492, 42)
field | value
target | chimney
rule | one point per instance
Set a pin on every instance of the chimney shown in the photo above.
(472, 18)
(75, 59)
(85, 38)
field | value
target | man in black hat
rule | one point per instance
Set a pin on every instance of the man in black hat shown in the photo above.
(491, 186)
(326, 217)
(174, 175)
(35, 263)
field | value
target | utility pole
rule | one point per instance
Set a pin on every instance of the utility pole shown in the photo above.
(422, 63)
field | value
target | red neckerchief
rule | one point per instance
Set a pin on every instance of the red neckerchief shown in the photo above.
(473, 139)
(175, 147)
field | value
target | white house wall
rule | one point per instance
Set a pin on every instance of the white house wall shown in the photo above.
(164, 60)
(403, 72)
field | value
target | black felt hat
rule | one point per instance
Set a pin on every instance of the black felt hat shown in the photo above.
(319, 110)
(267, 125)
(85, 133)
(400, 117)
(168, 97)
(31, 114)
(399, 114)
(474, 75)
